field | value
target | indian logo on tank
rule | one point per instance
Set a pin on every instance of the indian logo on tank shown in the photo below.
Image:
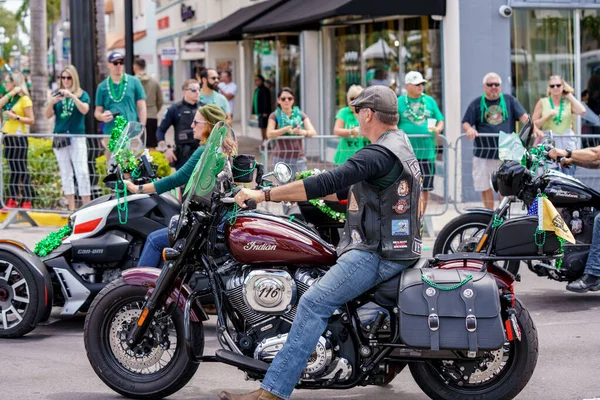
(253, 246)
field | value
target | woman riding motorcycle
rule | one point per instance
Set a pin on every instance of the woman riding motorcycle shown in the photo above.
(206, 118)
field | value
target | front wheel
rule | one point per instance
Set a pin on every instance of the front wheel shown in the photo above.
(462, 235)
(19, 297)
(501, 374)
(159, 366)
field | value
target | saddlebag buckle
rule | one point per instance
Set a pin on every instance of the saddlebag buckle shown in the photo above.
(471, 322)
(434, 322)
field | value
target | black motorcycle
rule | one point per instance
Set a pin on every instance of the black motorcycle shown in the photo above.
(106, 237)
(455, 320)
(577, 203)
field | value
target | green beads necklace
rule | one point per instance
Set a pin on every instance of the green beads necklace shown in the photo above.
(121, 88)
(557, 118)
(484, 108)
(412, 113)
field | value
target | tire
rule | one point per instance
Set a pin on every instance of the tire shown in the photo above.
(443, 243)
(112, 300)
(17, 318)
(506, 385)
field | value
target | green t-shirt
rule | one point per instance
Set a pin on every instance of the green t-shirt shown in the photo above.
(182, 176)
(348, 146)
(411, 124)
(74, 123)
(127, 106)
(218, 99)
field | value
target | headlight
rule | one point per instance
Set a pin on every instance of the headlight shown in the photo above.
(173, 229)
(71, 221)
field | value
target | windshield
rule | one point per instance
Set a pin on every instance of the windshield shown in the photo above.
(133, 138)
(214, 160)
(510, 147)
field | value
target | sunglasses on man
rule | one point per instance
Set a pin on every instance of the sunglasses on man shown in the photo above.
(117, 63)
(193, 90)
(493, 84)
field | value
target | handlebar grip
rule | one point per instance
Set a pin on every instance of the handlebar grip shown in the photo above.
(251, 204)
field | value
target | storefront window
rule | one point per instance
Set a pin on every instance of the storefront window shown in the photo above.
(542, 46)
(347, 62)
(590, 59)
(289, 65)
(421, 51)
(166, 79)
(392, 48)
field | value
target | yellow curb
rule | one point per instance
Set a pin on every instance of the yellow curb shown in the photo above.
(42, 219)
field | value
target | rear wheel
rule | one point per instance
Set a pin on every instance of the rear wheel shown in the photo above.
(18, 297)
(501, 374)
(462, 235)
(159, 366)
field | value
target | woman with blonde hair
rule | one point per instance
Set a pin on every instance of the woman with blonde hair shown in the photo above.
(17, 113)
(346, 126)
(206, 118)
(69, 104)
(556, 113)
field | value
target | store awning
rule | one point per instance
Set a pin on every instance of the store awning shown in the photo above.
(297, 15)
(230, 27)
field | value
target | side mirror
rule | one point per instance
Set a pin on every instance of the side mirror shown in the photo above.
(282, 172)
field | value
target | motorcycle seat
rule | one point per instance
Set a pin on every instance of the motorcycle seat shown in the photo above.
(386, 293)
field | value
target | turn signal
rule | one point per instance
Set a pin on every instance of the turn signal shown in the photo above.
(169, 254)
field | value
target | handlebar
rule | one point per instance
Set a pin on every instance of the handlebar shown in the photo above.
(250, 204)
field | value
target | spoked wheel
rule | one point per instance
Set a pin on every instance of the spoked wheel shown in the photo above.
(155, 368)
(462, 235)
(18, 297)
(500, 374)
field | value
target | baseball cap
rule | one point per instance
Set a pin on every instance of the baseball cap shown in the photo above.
(114, 56)
(377, 98)
(414, 78)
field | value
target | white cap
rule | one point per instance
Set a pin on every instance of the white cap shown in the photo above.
(414, 78)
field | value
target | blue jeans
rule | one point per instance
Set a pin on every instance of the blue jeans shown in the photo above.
(355, 272)
(152, 252)
(592, 267)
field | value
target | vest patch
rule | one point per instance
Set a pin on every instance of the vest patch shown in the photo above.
(401, 207)
(353, 205)
(400, 227)
(417, 246)
(415, 168)
(400, 244)
(403, 188)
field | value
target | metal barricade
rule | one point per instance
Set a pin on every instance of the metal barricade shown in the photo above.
(38, 170)
(474, 164)
(324, 153)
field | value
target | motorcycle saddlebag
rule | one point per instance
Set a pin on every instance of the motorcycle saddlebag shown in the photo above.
(466, 317)
(516, 237)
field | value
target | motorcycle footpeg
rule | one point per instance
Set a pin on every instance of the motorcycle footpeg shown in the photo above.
(241, 361)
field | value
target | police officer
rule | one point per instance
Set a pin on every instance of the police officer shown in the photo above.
(181, 115)
(382, 235)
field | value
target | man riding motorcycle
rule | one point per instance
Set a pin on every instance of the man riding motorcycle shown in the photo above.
(585, 158)
(205, 119)
(382, 235)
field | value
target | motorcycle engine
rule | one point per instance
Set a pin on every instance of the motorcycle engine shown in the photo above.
(267, 300)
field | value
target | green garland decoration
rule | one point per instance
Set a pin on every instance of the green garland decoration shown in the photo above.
(125, 159)
(52, 241)
(319, 203)
(116, 132)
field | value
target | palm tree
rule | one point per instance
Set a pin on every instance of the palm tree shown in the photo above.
(38, 63)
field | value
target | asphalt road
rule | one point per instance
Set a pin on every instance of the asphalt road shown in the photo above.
(50, 362)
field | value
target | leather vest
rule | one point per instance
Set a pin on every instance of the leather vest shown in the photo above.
(184, 134)
(388, 221)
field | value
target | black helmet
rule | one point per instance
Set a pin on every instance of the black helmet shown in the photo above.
(509, 178)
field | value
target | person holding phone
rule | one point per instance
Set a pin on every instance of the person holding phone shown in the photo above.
(119, 93)
(556, 113)
(69, 105)
(17, 114)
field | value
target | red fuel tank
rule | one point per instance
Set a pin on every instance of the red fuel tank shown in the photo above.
(265, 239)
